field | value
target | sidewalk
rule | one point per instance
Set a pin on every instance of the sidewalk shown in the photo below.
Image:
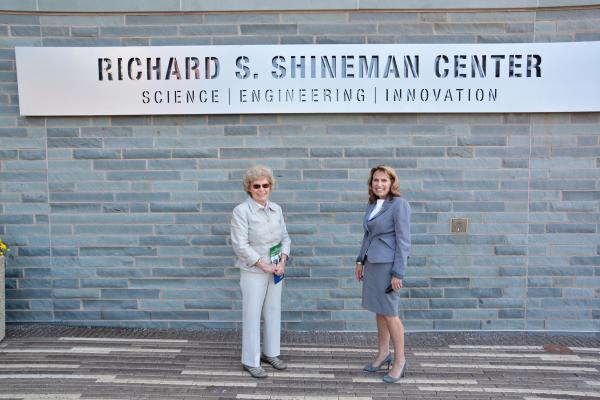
(55, 362)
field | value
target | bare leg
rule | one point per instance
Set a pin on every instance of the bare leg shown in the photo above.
(383, 337)
(396, 332)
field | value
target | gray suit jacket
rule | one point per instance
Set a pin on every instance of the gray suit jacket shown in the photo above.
(387, 236)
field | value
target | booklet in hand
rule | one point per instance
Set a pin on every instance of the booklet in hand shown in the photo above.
(275, 255)
(278, 278)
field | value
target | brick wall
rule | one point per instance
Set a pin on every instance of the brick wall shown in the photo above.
(123, 221)
(2, 295)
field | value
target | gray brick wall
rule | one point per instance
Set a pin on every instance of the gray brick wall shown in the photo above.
(2, 296)
(124, 221)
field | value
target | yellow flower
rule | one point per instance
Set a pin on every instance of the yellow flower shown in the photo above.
(3, 248)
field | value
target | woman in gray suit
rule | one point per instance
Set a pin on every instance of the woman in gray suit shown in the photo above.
(262, 245)
(381, 264)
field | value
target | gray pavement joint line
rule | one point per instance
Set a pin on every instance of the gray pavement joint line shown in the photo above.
(32, 365)
(28, 396)
(478, 347)
(114, 379)
(510, 367)
(429, 381)
(90, 349)
(543, 398)
(512, 390)
(553, 357)
(101, 339)
(271, 397)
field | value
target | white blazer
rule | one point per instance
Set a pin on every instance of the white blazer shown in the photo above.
(254, 231)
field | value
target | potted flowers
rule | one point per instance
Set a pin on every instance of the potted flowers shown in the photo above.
(3, 250)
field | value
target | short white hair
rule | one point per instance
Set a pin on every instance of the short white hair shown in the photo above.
(255, 173)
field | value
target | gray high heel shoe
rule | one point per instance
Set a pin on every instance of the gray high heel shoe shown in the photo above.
(387, 378)
(372, 368)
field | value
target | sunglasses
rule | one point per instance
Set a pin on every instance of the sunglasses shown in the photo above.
(264, 186)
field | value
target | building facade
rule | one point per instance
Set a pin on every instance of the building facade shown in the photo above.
(124, 220)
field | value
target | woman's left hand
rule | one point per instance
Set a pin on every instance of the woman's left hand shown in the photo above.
(396, 283)
(280, 267)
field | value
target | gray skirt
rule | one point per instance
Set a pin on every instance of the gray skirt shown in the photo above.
(376, 279)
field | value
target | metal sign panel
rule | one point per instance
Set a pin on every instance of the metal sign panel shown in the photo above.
(390, 78)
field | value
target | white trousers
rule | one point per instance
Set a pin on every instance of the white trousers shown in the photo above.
(260, 295)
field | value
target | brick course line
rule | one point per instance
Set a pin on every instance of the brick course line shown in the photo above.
(511, 390)
(114, 379)
(271, 397)
(45, 366)
(430, 381)
(92, 350)
(75, 339)
(28, 396)
(325, 365)
(244, 374)
(174, 382)
(331, 349)
(497, 347)
(511, 367)
(585, 349)
(543, 398)
(553, 357)
(54, 376)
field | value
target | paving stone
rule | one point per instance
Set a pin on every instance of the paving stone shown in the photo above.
(63, 362)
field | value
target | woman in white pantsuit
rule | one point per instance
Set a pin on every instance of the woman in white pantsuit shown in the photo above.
(257, 226)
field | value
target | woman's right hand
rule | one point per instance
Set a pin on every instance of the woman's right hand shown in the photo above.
(263, 266)
(358, 272)
(268, 268)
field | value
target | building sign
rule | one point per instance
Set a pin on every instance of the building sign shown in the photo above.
(391, 78)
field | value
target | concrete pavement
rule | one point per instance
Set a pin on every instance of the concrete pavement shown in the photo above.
(56, 362)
